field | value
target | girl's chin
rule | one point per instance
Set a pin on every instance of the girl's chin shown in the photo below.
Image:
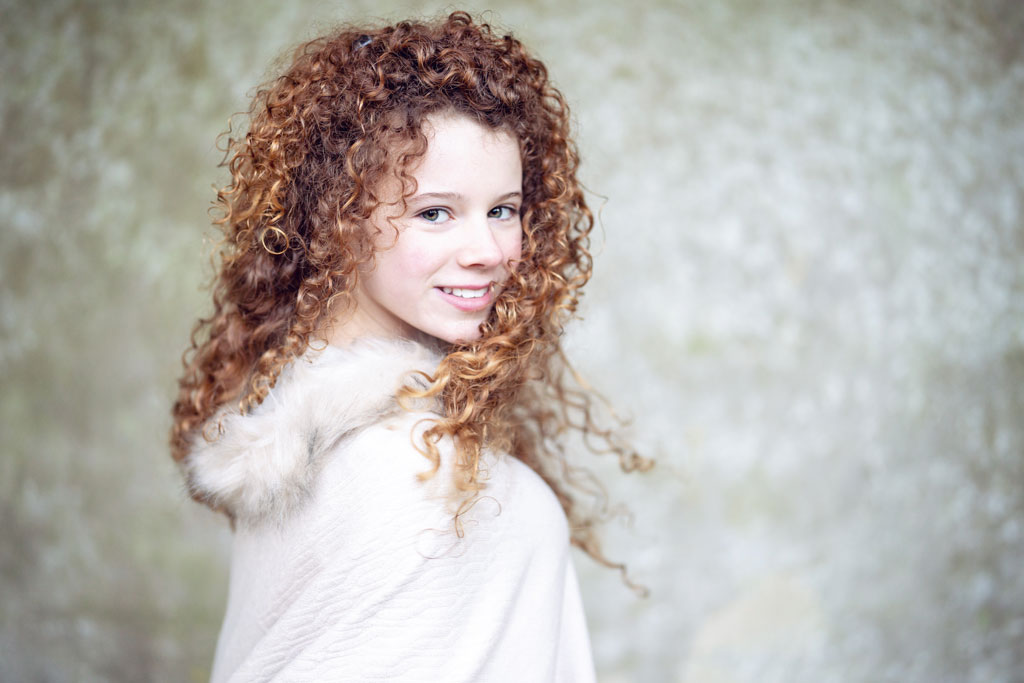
(458, 339)
(455, 335)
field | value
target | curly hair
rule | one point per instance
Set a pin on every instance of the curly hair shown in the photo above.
(322, 138)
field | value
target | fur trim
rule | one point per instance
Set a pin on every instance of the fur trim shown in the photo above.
(264, 464)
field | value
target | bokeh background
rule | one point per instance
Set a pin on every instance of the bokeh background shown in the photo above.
(809, 297)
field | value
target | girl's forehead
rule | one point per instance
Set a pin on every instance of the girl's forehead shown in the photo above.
(463, 162)
(442, 132)
(463, 153)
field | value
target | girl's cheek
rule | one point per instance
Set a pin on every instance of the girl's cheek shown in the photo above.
(418, 257)
(515, 246)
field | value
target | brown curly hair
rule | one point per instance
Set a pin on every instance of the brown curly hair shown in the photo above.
(321, 139)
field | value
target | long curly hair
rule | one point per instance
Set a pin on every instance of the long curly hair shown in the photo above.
(322, 139)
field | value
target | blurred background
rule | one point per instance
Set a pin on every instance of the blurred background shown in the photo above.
(808, 296)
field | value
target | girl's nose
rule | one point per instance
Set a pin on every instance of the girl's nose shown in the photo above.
(479, 246)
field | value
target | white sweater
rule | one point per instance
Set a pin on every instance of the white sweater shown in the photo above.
(347, 568)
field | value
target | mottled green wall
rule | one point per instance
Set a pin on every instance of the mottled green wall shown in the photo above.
(809, 296)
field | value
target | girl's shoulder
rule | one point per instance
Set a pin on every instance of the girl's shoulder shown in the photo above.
(262, 465)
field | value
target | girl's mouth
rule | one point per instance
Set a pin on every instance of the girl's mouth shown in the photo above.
(466, 293)
(468, 299)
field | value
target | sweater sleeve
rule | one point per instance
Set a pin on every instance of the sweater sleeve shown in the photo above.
(374, 580)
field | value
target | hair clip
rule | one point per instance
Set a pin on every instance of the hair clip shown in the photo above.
(361, 42)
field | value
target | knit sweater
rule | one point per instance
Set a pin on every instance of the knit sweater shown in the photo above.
(347, 567)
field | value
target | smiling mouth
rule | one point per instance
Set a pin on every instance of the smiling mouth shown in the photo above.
(466, 293)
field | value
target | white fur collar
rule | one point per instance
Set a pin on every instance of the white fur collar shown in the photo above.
(264, 463)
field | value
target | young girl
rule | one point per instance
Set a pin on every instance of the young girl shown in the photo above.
(379, 402)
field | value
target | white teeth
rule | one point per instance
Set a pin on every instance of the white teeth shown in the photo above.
(465, 293)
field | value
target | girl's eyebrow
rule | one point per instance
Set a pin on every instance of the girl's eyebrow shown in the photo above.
(455, 196)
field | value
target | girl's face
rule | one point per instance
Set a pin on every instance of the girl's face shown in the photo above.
(441, 274)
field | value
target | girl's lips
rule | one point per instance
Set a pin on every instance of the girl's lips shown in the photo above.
(468, 304)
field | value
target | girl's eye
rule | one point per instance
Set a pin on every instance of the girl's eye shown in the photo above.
(435, 215)
(502, 212)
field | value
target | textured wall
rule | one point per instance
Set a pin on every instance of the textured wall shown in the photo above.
(809, 296)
